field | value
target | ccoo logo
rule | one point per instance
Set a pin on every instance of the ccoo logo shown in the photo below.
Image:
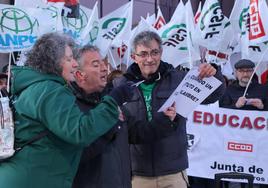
(235, 146)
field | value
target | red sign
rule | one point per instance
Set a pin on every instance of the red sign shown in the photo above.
(240, 147)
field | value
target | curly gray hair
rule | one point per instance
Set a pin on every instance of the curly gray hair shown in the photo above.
(48, 51)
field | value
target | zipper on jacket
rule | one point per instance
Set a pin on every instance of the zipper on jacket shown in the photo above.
(152, 111)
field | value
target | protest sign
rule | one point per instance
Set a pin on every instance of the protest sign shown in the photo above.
(227, 140)
(191, 92)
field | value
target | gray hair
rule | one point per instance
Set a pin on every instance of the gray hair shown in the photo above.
(144, 38)
(48, 51)
(84, 49)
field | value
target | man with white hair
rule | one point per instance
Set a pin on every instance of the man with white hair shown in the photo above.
(256, 95)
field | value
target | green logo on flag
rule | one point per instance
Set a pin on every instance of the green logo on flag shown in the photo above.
(76, 24)
(53, 10)
(244, 20)
(93, 34)
(175, 36)
(115, 29)
(18, 31)
(15, 21)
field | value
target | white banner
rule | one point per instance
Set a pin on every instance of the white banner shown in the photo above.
(227, 140)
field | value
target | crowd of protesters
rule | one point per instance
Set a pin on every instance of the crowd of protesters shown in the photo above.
(105, 131)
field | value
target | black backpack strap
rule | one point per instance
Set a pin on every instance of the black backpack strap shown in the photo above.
(42, 134)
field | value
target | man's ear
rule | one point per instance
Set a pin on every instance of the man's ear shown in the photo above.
(161, 51)
(133, 57)
(79, 75)
(235, 73)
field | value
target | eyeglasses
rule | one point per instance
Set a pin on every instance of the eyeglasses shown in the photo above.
(247, 71)
(154, 53)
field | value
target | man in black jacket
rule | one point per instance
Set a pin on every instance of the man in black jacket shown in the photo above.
(105, 163)
(254, 99)
(256, 95)
(162, 162)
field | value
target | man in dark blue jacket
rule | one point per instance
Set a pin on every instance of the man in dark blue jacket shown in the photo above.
(162, 162)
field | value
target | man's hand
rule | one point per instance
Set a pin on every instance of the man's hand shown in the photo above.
(240, 102)
(256, 102)
(206, 70)
(171, 112)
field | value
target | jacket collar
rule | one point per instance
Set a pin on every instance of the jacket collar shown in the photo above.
(92, 98)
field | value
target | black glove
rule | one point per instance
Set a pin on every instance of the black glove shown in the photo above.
(122, 93)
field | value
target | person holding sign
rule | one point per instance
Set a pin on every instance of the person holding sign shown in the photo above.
(163, 161)
(256, 96)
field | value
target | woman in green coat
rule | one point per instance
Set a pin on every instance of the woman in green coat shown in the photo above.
(43, 102)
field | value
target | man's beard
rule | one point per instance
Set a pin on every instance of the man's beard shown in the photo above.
(244, 81)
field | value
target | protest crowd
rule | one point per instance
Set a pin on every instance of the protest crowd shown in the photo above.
(105, 103)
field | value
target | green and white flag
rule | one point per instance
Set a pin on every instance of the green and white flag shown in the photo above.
(21, 26)
(212, 25)
(175, 43)
(90, 33)
(115, 28)
(76, 26)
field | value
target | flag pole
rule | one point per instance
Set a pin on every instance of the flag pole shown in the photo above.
(101, 8)
(8, 72)
(109, 51)
(266, 50)
(120, 50)
(155, 6)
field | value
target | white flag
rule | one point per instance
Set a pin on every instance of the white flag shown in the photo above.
(211, 25)
(115, 28)
(90, 33)
(150, 19)
(119, 55)
(76, 26)
(21, 26)
(174, 35)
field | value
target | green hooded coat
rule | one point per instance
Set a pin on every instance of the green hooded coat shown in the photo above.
(44, 102)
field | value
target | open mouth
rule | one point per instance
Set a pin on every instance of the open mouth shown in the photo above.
(104, 78)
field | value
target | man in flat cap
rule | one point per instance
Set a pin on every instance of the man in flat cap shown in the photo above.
(255, 98)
